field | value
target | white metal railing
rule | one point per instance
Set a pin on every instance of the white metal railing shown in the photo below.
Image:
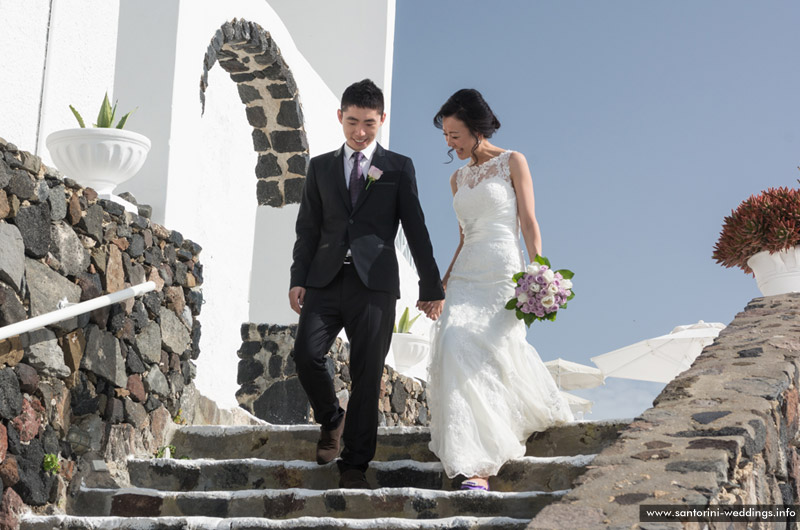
(73, 310)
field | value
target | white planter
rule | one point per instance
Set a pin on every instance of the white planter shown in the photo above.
(409, 350)
(100, 158)
(777, 273)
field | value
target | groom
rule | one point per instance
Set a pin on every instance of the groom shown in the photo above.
(345, 275)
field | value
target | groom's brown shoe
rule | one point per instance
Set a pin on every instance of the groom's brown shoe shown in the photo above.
(353, 479)
(329, 443)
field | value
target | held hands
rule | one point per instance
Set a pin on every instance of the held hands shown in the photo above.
(297, 296)
(432, 308)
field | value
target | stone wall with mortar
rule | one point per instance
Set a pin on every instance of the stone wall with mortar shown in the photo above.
(102, 385)
(723, 432)
(267, 88)
(270, 389)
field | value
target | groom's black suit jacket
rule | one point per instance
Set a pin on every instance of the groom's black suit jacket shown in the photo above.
(327, 225)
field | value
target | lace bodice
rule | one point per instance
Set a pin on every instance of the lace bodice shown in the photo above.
(471, 175)
(486, 207)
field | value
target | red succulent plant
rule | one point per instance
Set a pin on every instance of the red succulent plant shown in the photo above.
(767, 221)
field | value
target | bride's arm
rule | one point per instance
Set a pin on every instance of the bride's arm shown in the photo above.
(454, 187)
(523, 186)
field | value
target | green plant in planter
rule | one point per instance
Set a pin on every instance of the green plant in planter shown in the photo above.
(105, 119)
(769, 221)
(404, 325)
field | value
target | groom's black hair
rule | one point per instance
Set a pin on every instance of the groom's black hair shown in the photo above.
(364, 94)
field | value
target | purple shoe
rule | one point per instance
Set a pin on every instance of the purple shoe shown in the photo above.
(472, 485)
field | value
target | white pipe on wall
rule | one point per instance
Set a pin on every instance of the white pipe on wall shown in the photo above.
(66, 313)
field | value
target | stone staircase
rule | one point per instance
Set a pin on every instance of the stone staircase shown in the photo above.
(253, 477)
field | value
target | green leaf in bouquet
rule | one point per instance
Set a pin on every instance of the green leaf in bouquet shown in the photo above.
(520, 314)
(517, 276)
(541, 260)
(78, 117)
(105, 115)
(551, 316)
(529, 318)
(571, 296)
(511, 304)
(566, 274)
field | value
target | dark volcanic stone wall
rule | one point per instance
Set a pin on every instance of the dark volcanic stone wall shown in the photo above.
(272, 106)
(270, 389)
(120, 371)
(724, 432)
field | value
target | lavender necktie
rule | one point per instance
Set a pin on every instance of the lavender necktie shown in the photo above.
(356, 178)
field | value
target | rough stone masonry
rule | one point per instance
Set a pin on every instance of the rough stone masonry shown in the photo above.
(271, 390)
(102, 385)
(723, 432)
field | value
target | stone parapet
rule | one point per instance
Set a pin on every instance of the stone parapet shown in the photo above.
(723, 432)
(270, 389)
(102, 385)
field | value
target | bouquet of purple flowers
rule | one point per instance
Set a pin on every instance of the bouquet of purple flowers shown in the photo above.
(540, 291)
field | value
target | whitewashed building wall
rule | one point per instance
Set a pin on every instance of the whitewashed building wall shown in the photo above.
(199, 177)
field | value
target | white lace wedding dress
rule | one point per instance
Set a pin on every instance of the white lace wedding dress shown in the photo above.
(488, 390)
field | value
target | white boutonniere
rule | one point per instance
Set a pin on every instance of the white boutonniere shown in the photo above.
(373, 175)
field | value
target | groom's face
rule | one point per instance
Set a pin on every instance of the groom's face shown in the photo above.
(360, 125)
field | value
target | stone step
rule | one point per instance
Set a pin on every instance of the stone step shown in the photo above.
(169, 474)
(408, 503)
(298, 442)
(64, 522)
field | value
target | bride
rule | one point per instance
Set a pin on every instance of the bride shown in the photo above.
(488, 390)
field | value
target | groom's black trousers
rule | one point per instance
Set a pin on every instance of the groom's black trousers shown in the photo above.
(367, 317)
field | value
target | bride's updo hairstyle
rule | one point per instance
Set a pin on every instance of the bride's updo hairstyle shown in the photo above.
(469, 106)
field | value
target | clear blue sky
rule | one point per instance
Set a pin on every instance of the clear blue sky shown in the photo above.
(644, 124)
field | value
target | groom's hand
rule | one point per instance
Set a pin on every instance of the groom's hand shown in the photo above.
(432, 308)
(296, 297)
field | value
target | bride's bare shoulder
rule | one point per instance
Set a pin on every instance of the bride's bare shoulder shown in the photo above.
(517, 158)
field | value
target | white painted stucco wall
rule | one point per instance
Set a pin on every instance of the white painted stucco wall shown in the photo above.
(209, 194)
(80, 54)
(199, 176)
(345, 41)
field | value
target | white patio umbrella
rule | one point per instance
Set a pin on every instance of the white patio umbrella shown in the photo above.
(659, 359)
(578, 405)
(570, 376)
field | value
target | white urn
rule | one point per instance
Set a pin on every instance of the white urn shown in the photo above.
(99, 158)
(778, 272)
(409, 350)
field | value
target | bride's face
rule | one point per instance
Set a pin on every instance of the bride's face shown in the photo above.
(458, 136)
